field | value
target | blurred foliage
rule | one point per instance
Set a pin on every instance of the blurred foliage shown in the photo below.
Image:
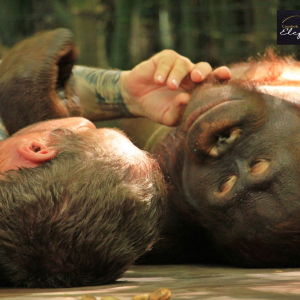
(121, 33)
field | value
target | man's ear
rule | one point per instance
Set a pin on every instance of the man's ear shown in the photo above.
(36, 151)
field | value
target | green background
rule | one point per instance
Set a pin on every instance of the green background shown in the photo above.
(121, 33)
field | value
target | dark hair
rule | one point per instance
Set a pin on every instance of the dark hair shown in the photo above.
(79, 219)
(274, 246)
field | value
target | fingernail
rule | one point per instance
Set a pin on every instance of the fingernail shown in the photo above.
(228, 70)
(200, 74)
(159, 78)
(175, 82)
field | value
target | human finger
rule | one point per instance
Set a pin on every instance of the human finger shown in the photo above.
(164, 62)
(200, 71)
(181, 68)
(222, 73)
(173, 116)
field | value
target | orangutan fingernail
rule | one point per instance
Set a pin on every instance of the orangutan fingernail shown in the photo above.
(175, 82)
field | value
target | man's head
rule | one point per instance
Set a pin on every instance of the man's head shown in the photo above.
(89, 204)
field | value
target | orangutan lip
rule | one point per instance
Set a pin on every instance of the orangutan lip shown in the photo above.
(201, 110)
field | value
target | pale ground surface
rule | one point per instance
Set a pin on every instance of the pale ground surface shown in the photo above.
(185, 282)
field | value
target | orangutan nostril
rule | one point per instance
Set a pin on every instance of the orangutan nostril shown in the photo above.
(227, 186)
(225, 141)
(259, 166)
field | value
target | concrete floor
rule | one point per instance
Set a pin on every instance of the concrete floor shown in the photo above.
(185, 282)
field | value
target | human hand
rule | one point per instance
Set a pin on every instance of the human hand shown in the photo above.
(161, 87)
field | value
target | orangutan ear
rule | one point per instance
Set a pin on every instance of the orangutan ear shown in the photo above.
(36, 152)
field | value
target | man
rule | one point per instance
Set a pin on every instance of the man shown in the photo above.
(78, 205)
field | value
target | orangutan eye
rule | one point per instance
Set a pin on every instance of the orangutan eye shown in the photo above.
(224, 141)
(259, 166)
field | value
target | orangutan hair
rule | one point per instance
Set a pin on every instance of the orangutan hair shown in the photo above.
(79, 219)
